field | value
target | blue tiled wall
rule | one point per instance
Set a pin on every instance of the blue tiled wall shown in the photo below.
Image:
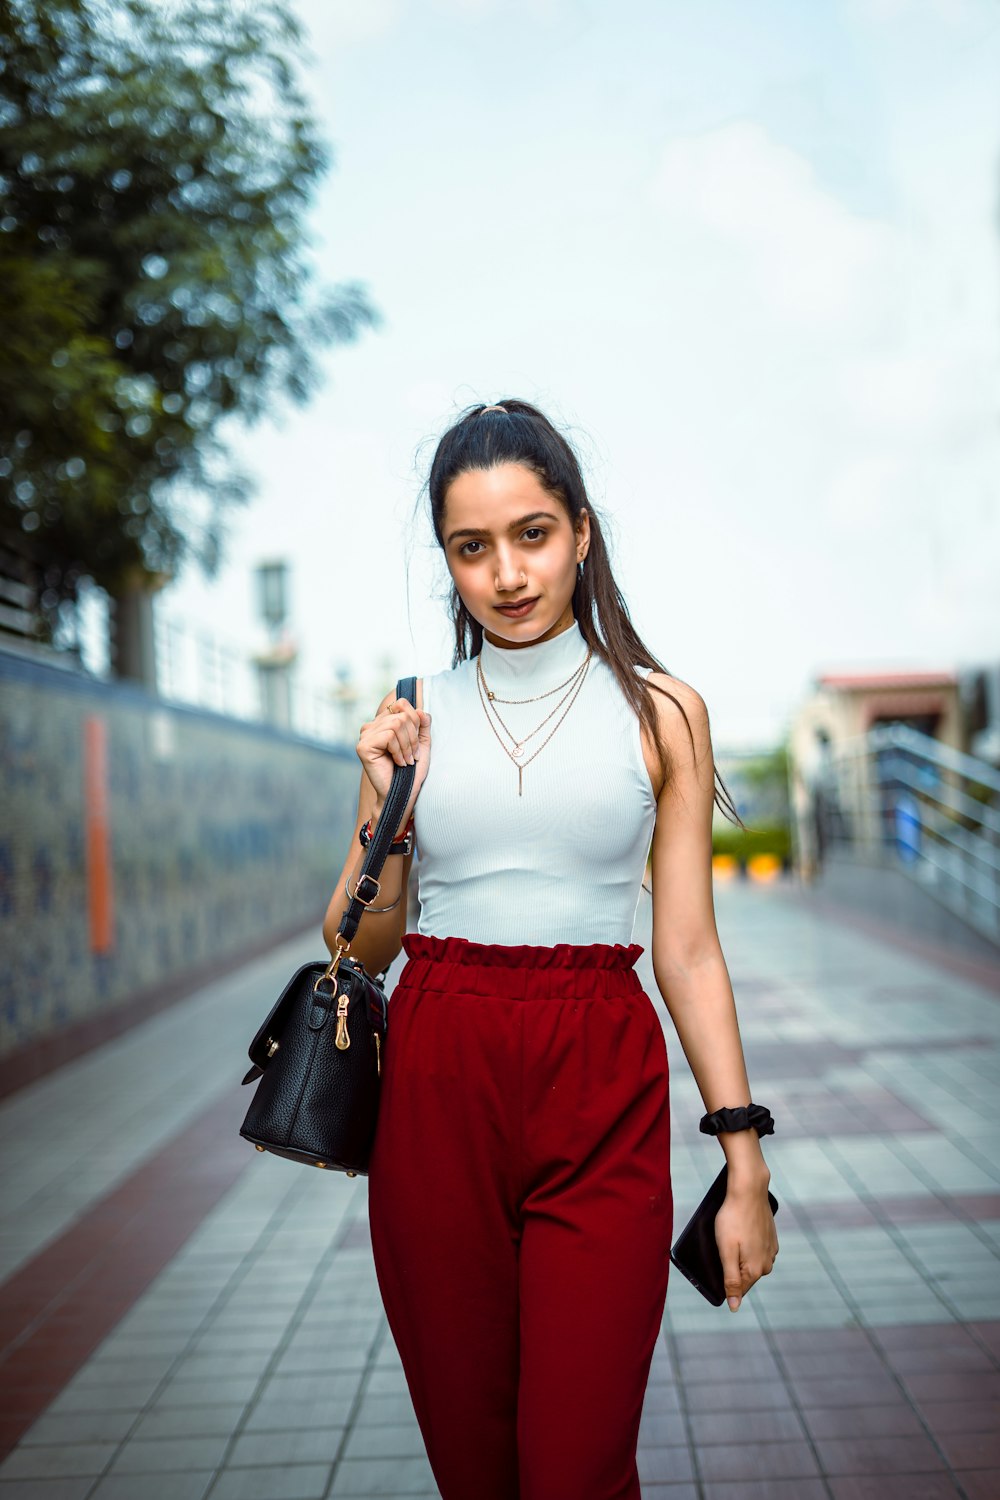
(220, 834)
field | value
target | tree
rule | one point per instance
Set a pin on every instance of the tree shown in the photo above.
(156, 160)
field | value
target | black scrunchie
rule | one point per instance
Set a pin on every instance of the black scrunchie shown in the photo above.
(743, 1117)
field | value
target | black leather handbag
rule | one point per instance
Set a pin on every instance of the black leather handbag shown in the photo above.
(318, 1054)
(696, 1252)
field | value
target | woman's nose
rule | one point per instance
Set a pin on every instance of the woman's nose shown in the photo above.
(508, 574)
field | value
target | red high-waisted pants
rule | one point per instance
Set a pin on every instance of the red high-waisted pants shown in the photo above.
(521, 1211)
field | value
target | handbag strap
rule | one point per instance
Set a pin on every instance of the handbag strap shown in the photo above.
(385, 829)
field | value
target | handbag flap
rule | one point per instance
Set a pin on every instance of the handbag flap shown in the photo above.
(272, 1027)
(351, 975)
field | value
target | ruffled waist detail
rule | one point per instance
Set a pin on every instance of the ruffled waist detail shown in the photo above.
(452, 950)
(518, 971)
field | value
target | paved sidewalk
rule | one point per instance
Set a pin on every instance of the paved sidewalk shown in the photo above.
(184, 1318)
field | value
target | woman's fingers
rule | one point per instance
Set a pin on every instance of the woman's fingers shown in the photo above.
(398, 735)
(401, 741)
(733, 1278)
(407, 729)
(412, 740)
(739, 1276)
(400, 732)
(748, 1244)
(401, 752)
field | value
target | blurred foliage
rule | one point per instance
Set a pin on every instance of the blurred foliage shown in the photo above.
(769, 772)
(742, 846)
(156, 160)
(760, 790)
(760, 784)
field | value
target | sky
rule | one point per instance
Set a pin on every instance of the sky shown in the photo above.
(744, 253)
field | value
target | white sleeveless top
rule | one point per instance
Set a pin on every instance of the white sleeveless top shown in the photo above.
(563, 862)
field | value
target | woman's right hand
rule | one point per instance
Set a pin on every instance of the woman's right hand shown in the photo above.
(398, 735)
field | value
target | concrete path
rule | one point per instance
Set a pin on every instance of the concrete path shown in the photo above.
(184, 1318)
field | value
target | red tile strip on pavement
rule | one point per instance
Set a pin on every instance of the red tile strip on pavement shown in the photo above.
(57, 1308)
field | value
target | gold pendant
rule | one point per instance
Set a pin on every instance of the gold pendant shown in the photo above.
(518, 749)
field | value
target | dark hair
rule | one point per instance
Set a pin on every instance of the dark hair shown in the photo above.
(521, 434)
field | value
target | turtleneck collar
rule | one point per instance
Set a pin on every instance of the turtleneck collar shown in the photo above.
(545, 662)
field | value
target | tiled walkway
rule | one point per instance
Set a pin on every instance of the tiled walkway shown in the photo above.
(184, 1318)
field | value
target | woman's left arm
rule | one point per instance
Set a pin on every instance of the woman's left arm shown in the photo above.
(692, 977)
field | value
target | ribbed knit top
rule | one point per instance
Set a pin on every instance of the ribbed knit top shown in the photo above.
(563, 862)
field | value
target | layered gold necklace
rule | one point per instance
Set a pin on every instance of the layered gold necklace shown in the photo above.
(573, 683)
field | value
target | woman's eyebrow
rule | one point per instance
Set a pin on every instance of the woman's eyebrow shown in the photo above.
(536, 515)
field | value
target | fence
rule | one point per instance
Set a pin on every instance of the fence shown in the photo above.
(199, 667)
(898, 796)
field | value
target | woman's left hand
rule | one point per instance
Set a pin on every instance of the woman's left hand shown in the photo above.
(746, 1237)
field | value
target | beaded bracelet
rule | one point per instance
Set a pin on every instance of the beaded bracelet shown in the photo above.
(743, 1117)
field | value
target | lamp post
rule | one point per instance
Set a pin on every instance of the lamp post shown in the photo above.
(274, 665)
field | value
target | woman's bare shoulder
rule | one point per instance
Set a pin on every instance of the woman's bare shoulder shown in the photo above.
(675, 688)
(682, 716)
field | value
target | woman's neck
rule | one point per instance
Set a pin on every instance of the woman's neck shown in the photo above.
(560, 627)
(551, 657)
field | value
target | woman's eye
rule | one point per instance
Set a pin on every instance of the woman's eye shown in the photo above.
(463, 553)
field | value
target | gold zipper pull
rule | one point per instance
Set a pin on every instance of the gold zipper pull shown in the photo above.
(343, 1038)
(378, 1053)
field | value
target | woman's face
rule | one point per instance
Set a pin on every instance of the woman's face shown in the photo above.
(507, 539)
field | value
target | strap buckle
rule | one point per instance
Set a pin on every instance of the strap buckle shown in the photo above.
(371, 889)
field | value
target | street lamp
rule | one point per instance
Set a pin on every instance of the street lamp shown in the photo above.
(274, 666)
(272, 593)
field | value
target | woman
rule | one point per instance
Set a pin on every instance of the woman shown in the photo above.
(519, 1189)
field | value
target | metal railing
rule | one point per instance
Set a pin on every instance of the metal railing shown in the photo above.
(201, 668)
(198, 667)
(896, 796)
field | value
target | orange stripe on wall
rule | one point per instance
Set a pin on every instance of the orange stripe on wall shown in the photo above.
(100, 891)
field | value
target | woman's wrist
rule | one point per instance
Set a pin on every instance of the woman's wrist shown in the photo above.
(749, 1180)
(744, 1158)
(405, 823)
(739, 1128)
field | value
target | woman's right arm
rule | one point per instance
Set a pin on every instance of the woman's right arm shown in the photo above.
(386, 741)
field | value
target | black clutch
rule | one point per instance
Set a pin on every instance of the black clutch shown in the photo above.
(695, 1252)
(318, 1054)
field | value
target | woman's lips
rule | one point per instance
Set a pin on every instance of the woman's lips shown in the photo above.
(516, 611)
